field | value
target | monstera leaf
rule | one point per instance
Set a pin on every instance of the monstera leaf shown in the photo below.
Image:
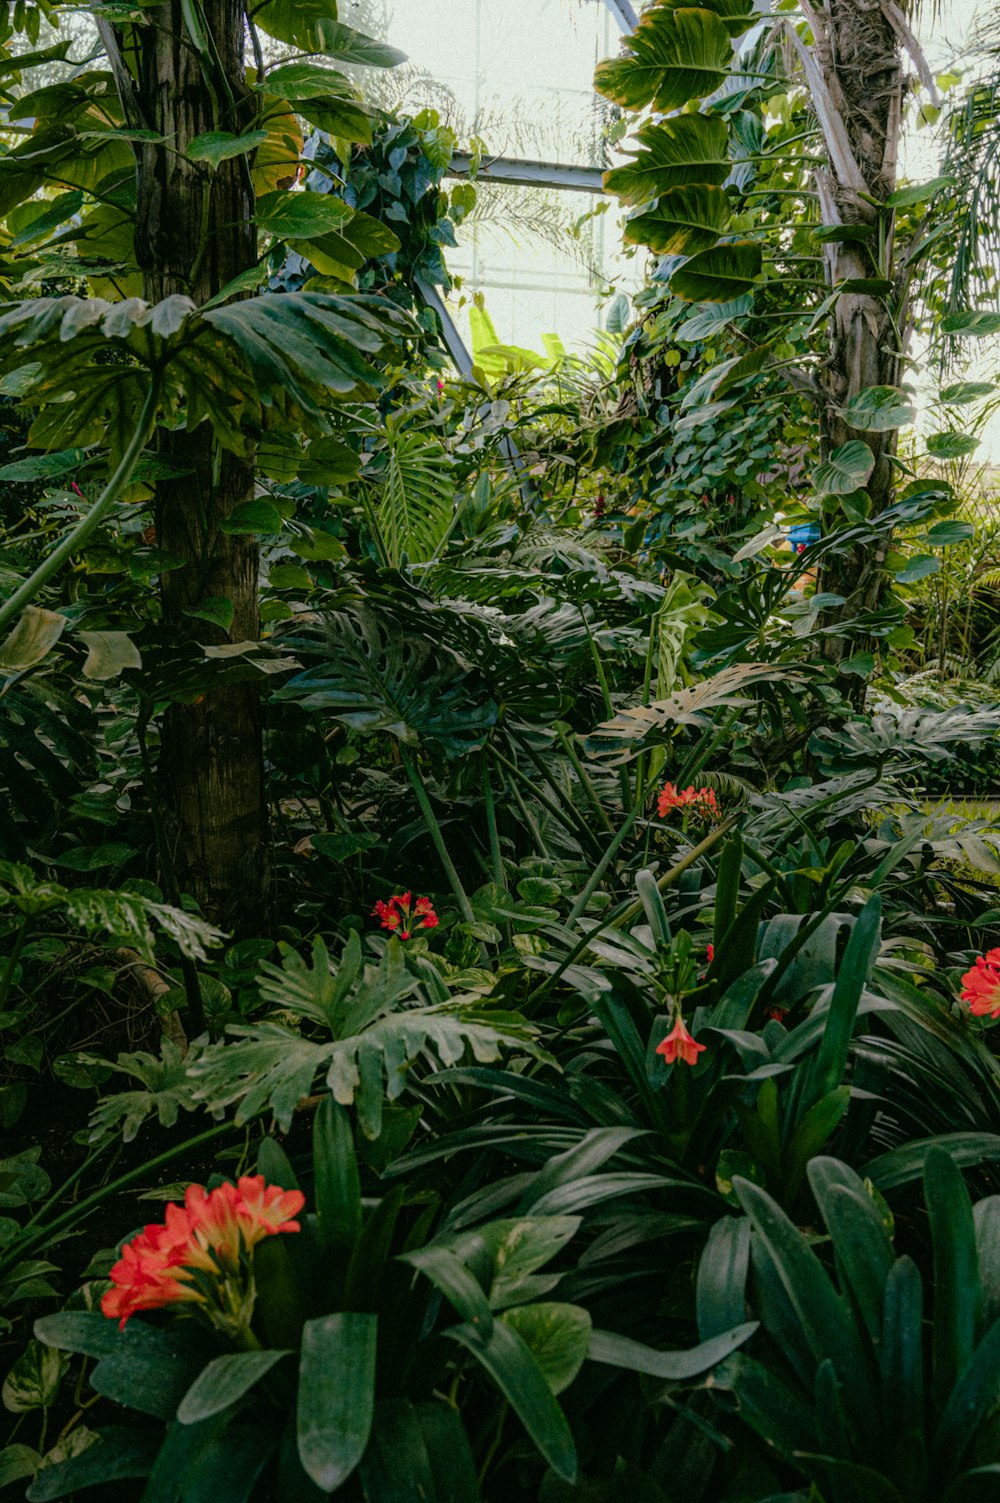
(373, 675)
(672, 56)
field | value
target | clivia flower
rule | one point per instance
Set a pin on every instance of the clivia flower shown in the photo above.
(202, 1253)
(981, 985)
(679, 1044)
(400, 919)
(700, 801)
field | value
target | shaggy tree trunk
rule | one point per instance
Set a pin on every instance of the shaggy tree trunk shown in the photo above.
(194, 233)
(857, 51)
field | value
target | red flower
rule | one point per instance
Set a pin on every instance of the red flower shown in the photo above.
(679, 1044)
(700, 801)
(981, 985)
(710, 952)
(209, 1234)
(397, 917)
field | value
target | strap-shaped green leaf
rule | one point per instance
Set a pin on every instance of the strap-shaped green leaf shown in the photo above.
(222, 1382)
(516, 1373)
(861, 1242)
(722, 1276)
(956, 1271)
(338, 1188)
(336, 1400)
(901, 1359)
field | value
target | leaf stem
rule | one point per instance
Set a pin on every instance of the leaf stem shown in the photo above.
(430, 819)
(88, 525)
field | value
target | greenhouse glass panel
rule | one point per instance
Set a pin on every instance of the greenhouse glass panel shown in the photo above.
(517, 77)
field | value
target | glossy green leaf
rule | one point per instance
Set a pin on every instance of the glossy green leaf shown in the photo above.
(459, 1286)
(672, 56)
(921, 566)
(687, 149)
(901, 1359)
(956, 395)
(516, 1373)
(418, 1453)
(976, 322)
(338, 1189)
(336, 1395)
(901, 1165)
(672, 1367)
(861, 1243)
(848, 469)
(951, 444)
(312, 26)
(956, 1271)
(918, 193)
(119, 1453)
(301, 216)
(723, 1269)
(217, 146)
(719, 274)
(879, 409)
(818, 1310)
(222, 1382)
(684, 220)
(557, 1335)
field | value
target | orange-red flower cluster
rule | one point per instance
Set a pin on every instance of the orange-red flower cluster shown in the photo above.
(208, 1234)
(400, 918)
(679, 1044)
(699, 801)
(981, 985)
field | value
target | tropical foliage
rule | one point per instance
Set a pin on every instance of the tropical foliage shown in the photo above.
(499, 966)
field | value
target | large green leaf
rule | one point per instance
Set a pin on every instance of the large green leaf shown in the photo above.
(376, 677)
(338, 1189)
(336, 1402)
(720, 274)
(223, 1381)
(417, 497)
(956, 1271)
(671, 57)
(683, 221)
(312, 26)
(418, 1453)
(512, 1367)
(848, 469)
(381, 1022)
(672, 1367)
(879, 409)
(120, 1452)
(309, 344)
(861, 1242)
(557, 1335)
(685, 149)
(293, 216)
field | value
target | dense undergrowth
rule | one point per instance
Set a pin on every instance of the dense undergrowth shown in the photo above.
(606, 1105)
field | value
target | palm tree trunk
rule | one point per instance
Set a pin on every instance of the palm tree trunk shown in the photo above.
(194, 233)
(858, 54)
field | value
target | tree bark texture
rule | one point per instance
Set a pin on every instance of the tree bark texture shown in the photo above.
(858, 53)
(194, 233)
